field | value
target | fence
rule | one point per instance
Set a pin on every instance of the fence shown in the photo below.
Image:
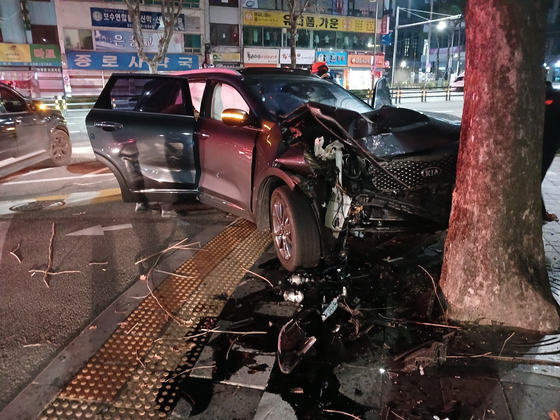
(412, 94)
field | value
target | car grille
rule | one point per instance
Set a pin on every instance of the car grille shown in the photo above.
(415, 173)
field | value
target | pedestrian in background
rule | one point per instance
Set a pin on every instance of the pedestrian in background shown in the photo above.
(321, 69)
(551, 138)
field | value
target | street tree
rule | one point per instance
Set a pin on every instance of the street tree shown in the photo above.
(494, 269)
(296, 9)
(170, 10)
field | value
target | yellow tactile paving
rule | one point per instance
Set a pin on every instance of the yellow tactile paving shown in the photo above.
(134, 374)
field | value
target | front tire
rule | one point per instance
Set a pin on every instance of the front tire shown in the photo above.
(60, 148)
(295, 233)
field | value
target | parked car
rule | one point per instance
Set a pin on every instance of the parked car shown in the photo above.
(298, 155)
(459, 83)
(30, 134)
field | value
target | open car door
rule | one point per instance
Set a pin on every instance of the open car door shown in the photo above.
(142, 128)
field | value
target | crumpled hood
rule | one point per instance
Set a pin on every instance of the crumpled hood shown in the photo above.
(383, 133)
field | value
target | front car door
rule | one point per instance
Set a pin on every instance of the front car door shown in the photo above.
(226, 153)
(142, 128)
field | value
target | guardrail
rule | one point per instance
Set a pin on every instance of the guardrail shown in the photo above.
(421, 94)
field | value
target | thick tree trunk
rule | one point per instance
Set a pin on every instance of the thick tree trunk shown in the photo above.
(494, 268)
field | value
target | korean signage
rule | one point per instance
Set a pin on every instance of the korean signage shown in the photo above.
(385, 25)
(360, 60)
(123, 41)
(119, 18)
(333, 58)
(308, 21)
(302, 56)
(266, 56)
(230, 57)
(30, 55)
(127, 61)
(379, 61)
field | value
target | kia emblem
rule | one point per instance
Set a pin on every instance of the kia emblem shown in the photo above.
(431, 171)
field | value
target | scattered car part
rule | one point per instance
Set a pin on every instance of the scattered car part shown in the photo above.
(293, 343)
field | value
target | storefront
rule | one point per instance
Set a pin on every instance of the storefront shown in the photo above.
(359, 71)
(337, 62)
(32, 69)
(304, 57)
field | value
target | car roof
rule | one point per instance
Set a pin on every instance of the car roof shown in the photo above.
(243, 71)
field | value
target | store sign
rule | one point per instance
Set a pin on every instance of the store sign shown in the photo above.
(308, 21)
(119, 18)
(15, 54)
(379, 61)
(385, 25)
(250, 4)
(45, 55)
(360, 60)
(123, 41)
(333, 58)
(17, 76)
(127, 61)
(302, 56)
(230, 57)
(260, 56)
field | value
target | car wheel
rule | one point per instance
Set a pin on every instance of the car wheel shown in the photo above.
(60, 149)
(294, 229)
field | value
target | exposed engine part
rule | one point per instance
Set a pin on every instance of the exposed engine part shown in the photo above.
(295, 296)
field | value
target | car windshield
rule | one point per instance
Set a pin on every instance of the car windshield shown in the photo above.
(282, 94)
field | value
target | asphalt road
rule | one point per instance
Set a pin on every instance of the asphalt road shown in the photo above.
(39, 319)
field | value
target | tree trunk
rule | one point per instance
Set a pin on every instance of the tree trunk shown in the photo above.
(494, 268)
(293, 32)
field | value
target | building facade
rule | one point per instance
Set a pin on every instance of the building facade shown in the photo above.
(30, 57)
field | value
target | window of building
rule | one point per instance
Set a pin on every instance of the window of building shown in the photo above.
(225, 3)
(414, 46)
(272, 37)
(221, 34)
(407, 47)
(253, 36)
(44, 34)
(193, 43)
(78, 39)
(355, 41)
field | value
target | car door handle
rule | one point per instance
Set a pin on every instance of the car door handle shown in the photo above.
(108, 126)
(202, 135)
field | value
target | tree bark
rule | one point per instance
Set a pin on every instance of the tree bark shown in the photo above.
(494, 269)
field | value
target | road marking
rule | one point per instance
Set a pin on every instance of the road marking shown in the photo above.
(68, 178)
(99, 230)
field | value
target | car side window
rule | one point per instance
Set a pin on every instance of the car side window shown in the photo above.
(11, 101)
(155, 95)
(224, 97)
(197, 91)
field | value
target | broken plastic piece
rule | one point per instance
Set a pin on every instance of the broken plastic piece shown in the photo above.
(293, 296)
(330, 309)
(293, 343)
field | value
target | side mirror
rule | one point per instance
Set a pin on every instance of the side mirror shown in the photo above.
(381, 94)
(236, 117)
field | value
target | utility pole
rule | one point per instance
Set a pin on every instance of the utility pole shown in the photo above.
(429, 34)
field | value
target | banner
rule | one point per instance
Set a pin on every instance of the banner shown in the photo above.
(127, 61)
(119, 18)
(333, 59)
(302, 56)
(308, 21)
(267, 56)
(123, 41)
(10, 54)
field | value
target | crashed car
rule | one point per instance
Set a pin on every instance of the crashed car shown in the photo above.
(297, 155)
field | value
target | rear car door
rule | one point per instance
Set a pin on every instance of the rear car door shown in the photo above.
(142, 128)
(31, 130)
(226, 153)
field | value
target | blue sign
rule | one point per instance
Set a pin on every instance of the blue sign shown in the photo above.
(333, 58)
(119, 18)
(79, 60)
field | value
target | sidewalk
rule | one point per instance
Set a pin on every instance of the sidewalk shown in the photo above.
(156, 358)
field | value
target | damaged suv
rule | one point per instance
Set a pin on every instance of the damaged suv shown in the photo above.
(297, 155)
